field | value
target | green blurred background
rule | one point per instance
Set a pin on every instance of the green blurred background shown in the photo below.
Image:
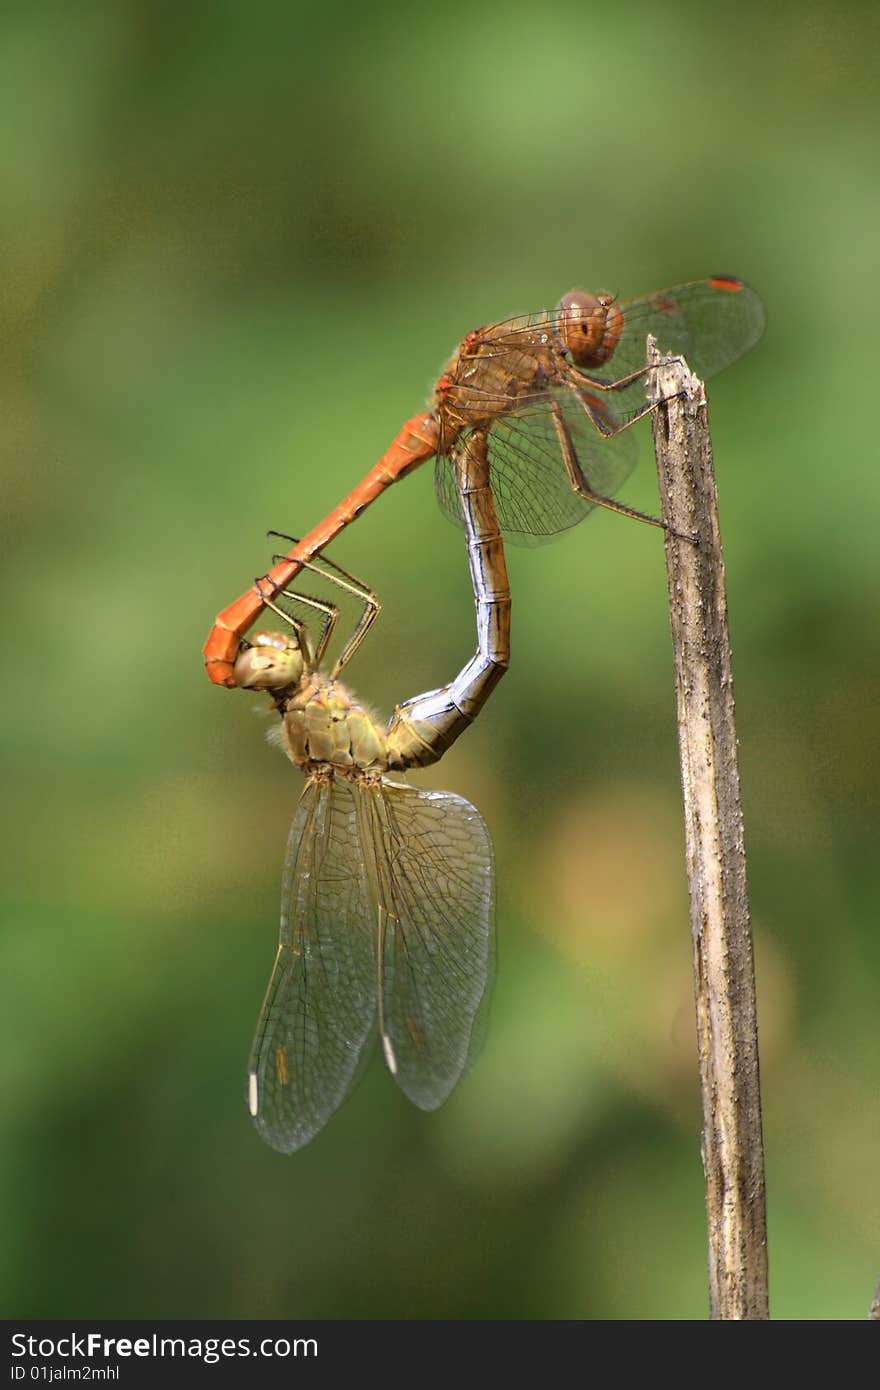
(238, 244)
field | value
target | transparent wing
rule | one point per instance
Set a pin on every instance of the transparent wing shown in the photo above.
(320, 1006)
(435, 892)
(528, 470)
(712, 322)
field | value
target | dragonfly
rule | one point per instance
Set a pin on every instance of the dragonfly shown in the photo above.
(387, 897)
(535, 414)
(547, 401)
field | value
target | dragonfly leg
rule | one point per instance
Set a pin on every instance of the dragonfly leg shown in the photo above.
(337, 575)
(578, 479)
(421, 729)
(329, 610)
(623, 382)
(599, 418)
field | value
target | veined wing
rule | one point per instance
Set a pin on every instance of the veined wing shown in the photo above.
(532, 455)
(321, 1002)
(434, 886)
(712, 322)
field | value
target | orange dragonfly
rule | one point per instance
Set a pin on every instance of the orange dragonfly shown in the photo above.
(387, 898)
(546, 401)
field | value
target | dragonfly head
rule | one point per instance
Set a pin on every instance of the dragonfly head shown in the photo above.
(589, 326)
(272, 661)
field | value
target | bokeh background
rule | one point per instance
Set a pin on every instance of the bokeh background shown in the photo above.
(238, 244)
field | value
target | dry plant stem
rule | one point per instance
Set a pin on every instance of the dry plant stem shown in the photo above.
(724, 975)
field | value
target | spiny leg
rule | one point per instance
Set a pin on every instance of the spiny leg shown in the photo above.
(371, 605)
(578, 479)
(329, 610)
(577, 380)
(622, 382)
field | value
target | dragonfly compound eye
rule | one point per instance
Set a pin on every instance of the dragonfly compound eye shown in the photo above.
(272, 661)
(589, 326)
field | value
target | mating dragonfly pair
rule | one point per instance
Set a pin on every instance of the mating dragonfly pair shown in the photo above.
(387, 898)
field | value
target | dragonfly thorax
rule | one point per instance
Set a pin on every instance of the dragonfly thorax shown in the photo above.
(493, 373)
(325, 729)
